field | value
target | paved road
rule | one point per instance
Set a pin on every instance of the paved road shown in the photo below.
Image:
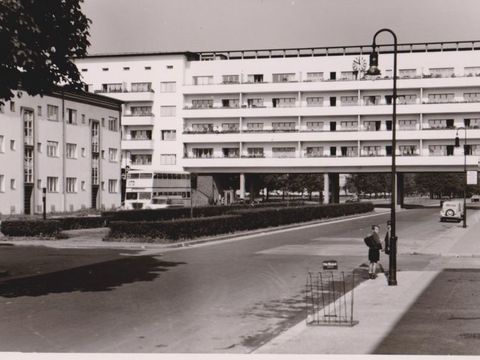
(224, 297)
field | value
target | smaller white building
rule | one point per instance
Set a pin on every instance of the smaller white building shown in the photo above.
(64, 143)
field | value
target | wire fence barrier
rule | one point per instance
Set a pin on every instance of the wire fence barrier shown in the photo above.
(329, 298)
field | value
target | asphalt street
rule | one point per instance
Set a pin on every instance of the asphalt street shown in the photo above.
(226, 297)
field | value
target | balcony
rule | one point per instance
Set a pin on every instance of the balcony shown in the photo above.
(129, 96)
(143, 119)
(140, 144)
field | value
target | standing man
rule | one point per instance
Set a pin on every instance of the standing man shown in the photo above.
(387, 238)
(374, 247)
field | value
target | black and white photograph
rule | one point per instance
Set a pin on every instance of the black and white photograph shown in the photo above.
(226, 178)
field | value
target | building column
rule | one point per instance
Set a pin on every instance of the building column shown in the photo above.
(334, 183)
(399, 181)
(326, 188)
(242, 186)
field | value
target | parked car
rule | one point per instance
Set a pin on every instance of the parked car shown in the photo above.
(452, 210)
(475, 198)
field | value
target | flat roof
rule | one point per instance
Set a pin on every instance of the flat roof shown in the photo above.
(463, 45)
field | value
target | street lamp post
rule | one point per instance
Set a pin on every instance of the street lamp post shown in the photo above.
(374, 70)
(457, 144)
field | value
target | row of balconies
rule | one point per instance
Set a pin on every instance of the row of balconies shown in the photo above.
(319, 77)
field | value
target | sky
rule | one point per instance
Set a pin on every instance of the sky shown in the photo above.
(209, 25)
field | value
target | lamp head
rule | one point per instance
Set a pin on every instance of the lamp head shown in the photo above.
(373, 69)
(457, 141)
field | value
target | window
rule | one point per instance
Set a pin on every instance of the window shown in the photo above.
(71, 185)
(12, 106)
(103, 185)
(71, 150)
(203, 80)
(255, 126)
(103, 154)
(315, 101)
(255, 152)
(2, 145)
(349, 151)
(167, 110)
(83, 119)
(408, 150)
(13, 184)
(39, 147)
(168, 159)
(371, 100)
(231, 103)
(407, 124)
(112, 88)
(148, 68)
(104, 69)
(230, 127)
(168, 86)
(12, 145)
(39, 110)
(141, 134)
(52, 184)
(202, 152)
(71, 116)
(28, 165)
(231, 152)
(126, 68)
(112, 185)
(141, 110)
(371, 150)
(202, 103)
(141, 159)
(230, 79)
(347, 75)
(83, 185)
(469, 123)
(141, 87)
(437, 123)
(103, 122)
(2, 183)
(83, 152)
(315, 125)
(52, 112)
(283, 102)
(406, 99)
(472, 71)
(283, 126)
(314, 76)
(437, 150)
(169, 67)
(255, 78)
(314, 151)
(442, 72)
(349, 100)
(52, 148)
(39, 184)
(283, 152)
(407, 73)
(349, 125)
(288, 77)
(441, 98)
(471, 97)
(112, 154)
(112, 124)
(169, 135)
(258, 102)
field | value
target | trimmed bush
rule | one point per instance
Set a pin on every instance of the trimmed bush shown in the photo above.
(49, 228)
(261, 218)
(246, 219)
(184, 212)
(84, 222)
(174, 229)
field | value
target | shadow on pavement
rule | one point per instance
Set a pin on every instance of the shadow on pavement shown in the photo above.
(444, 320)
(104, 276)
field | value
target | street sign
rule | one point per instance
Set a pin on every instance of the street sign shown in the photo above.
(330, 265)
(472, 177)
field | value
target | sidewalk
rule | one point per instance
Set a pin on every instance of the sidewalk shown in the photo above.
(378, 307)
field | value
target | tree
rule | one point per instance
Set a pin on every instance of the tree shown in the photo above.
(38, 40)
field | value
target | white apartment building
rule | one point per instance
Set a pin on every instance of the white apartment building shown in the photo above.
(293, 110)
(67, 143)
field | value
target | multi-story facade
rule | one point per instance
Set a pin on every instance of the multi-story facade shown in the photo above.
(294, 110)
(64, 143)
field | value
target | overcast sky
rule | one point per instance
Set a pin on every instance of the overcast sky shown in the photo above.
(205, 25)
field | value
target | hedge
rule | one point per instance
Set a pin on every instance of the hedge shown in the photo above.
(261, 218)
(174, 229)
(81, 222)
(184, 212)
(49, 228)
(246, 219)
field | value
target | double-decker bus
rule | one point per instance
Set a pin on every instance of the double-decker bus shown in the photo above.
(147, 190)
